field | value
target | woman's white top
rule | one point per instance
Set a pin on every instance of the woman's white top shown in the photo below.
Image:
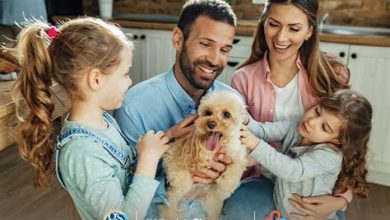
(289, 104)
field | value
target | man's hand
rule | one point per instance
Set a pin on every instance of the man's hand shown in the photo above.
(316, 207)
(216, 167)
(180, 129)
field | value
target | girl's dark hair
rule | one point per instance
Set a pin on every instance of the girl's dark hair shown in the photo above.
(354, 137)
(326, 73)
(215, 9)
(81, 45)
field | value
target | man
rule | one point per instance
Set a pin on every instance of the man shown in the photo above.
(203, 39)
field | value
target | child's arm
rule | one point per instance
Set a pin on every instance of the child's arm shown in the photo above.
(89, 175)
(150, 149)
(306, 166)
(270, 131)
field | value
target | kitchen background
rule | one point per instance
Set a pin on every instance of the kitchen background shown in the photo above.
(374, 13)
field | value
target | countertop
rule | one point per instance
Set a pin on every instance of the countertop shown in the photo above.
(244, 28)
(248, 27)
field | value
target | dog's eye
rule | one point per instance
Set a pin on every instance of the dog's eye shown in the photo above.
(208, 113)
(227, 115)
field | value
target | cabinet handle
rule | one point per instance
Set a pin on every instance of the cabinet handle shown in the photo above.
(342, 54)
(354, 55)
(236, 40)
(142, 36)
(232, 63)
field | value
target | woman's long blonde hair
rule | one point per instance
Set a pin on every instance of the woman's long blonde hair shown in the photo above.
(81, 45)
(326, 73)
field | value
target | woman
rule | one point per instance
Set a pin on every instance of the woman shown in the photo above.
(285, 75)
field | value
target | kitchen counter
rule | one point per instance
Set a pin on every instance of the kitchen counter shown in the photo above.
(244, 28)
(248, 27)
(8, 118)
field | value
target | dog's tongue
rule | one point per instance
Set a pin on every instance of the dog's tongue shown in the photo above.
(212, 141)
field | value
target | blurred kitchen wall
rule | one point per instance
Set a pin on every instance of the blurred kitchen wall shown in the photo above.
(344, 12)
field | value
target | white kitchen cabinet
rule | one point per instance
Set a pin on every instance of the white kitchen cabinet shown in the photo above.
(136, 69)
(231, 67)
(159, 53)
(336, 49)
(153, 52)
(370, 75)
(240, 52)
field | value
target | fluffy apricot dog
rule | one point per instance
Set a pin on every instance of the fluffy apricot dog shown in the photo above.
(220, 116)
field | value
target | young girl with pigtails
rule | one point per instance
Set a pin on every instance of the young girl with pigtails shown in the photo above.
(325, 151)
(91, 60)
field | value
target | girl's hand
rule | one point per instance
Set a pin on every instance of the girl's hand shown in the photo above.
(248, 138)
(316, 207)
(152, 145)
(150, 148)
(182, 128)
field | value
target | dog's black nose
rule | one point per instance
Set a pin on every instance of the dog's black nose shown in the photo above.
(211, 124)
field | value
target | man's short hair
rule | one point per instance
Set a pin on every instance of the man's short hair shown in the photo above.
(217, 10)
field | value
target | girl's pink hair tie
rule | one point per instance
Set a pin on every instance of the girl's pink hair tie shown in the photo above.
(53, 32)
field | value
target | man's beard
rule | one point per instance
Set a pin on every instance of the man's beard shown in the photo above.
(189, 72)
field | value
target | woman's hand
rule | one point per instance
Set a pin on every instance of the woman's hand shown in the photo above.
(248, 138)
(316, 207)
(216, 167)
(180, 129)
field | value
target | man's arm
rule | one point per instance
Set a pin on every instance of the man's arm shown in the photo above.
(180, 129)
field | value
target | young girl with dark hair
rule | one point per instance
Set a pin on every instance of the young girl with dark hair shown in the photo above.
(326, 151)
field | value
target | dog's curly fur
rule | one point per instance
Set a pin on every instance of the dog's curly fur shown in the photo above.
(220, 116)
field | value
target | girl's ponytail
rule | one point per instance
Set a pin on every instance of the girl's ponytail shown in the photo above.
(44, 54)
(35, 132)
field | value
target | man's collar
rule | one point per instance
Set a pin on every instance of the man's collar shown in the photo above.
(185, 101)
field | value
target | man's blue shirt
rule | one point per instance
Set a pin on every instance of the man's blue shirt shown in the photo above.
(157, 104)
